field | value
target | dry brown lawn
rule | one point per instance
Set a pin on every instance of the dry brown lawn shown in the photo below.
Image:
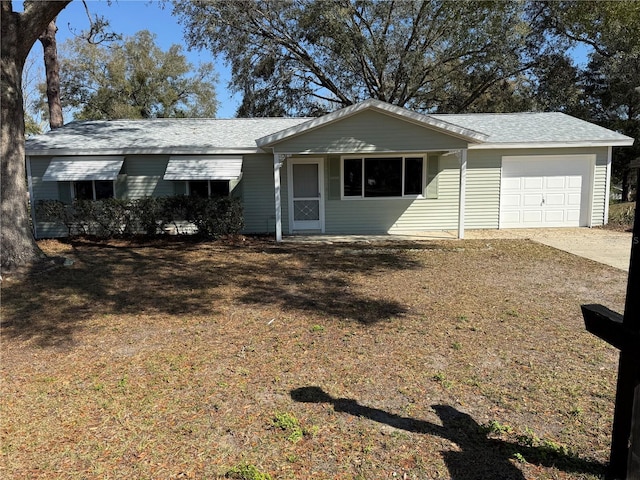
(427, 360)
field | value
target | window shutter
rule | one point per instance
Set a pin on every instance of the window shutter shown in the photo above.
(180, 188)
(64, 192)
(433, 168)
(334, 178)
(121, 187)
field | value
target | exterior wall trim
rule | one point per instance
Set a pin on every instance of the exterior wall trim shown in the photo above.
(462, 155)
(607, 192)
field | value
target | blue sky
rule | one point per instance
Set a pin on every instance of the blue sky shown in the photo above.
(130, 16)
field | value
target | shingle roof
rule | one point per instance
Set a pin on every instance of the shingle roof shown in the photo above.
(245, 135)
(174, 135)
(535, 128)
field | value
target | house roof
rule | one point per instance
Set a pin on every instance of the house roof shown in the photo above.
(250, 135)
(164, 135)
(536, 130)
(429, 121)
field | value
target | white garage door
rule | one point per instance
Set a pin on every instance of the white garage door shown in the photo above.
(545, 191)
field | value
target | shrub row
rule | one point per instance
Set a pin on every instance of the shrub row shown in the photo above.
(206, 217)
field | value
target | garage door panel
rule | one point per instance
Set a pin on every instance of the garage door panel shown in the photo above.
(538, 191)
(533, 183)
(554, 216)
(556, 199)
(532, 200)
(574, 199)
(573, 215)
(575, 182)
(512, 184)
(511, 200)
(556, 183)
(531, 216)
(511, 217)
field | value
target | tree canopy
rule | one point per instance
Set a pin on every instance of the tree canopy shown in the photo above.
(309, 57)
(134, 78)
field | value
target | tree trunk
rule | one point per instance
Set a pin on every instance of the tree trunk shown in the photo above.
(52, 68)
(19, 31)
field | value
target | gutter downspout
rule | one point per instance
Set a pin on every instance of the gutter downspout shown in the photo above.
(462, 155)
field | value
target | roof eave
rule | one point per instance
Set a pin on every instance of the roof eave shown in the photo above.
(142, 151)
(581, 143)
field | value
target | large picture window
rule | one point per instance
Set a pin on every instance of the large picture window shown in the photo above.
(373, 177)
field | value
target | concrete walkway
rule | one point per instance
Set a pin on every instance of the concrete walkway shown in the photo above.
(603, 246)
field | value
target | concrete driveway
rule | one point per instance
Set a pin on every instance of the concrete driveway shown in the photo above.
(603, 246)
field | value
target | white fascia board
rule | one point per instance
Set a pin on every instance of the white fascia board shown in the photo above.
(383, 107)
(143, 151)
(596, 143)
(358, 152)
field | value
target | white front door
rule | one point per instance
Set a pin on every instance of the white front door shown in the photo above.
(306, 207)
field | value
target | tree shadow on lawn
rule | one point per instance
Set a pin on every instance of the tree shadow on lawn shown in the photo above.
(480, 458)
(190, 278)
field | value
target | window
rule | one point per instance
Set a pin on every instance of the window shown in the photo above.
(208, 188)
(373, 177)
(93, 189)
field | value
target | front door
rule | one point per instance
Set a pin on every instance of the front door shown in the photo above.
(306, 208)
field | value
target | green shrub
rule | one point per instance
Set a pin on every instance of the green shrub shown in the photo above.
(212, 217)
(57, 212)
(146, 213)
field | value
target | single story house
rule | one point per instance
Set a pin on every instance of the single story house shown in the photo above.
(370, 168)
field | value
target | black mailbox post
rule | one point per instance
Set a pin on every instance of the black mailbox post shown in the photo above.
(623, 332)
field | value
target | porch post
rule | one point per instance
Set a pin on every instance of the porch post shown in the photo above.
(462, 155)
(277, 164)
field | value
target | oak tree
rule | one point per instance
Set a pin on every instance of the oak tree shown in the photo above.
(19, 31)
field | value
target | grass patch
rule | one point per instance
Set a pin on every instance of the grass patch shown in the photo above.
(173, 359)
(247, 472)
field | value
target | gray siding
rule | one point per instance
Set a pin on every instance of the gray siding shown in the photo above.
(144, 176)
(482, 207)
(482, 201)
(370, 132)
(42, 190)
(258, 194)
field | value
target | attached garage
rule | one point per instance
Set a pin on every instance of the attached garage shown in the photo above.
(546, 191)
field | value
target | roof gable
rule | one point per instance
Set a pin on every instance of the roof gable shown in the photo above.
(368, 131)
(403, 114)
